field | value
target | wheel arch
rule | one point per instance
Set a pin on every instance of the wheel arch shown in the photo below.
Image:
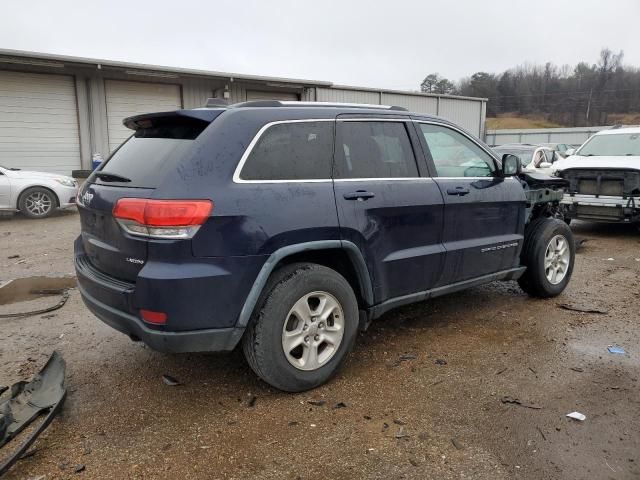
(36, 185)
(342, 256)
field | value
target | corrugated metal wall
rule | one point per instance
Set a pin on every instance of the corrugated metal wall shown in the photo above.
(91, 102)
(573, 136)
(466, 112)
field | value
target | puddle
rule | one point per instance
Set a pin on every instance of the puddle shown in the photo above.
(30, 288)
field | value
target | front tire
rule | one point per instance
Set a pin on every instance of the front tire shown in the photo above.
(303, 328)
(37, 202)
(549, 254)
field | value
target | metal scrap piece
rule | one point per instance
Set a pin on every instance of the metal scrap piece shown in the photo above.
(44, 394)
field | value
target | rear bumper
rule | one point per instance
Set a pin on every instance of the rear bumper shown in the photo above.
(202, 310)
(602, 208)
(212, 340)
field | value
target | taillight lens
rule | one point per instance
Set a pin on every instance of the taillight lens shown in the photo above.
(162, 218)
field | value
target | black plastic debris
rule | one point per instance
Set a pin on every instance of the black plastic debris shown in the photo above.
(43, 395)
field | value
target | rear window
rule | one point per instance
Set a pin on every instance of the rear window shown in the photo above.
(612, 144)
(291, 151)
(144, 157)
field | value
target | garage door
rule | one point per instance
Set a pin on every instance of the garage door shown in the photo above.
(125, 99)
(38, 122)
(264, 95)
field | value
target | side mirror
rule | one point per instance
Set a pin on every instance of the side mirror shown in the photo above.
(544, 165)
(569, 151)
(510, 165)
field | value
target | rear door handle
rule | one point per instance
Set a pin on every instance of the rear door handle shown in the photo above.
(461, 191)
(359, 195)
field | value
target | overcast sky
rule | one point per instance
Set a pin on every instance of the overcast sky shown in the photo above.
(391, 44)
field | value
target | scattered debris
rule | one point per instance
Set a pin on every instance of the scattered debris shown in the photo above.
(252, 401)
(580, 243)
(340, 405)
(79, 468)
(60, 304)
(408, 356)
(169, 380)
(582, 308)
(385, 426)
(440, 361)
(397, 421)
(423, 436)
(11, 257)
(456, 443)
(366, 417)
(515, 401)
(316, 403)
(44, 394)
(401, 433)
(610, 259)
(413, 462)
(541, 433)
(402, 358)
(533, 371)
(576, 369)
(293, 423)
(577, 416)
(3, 388)
(616, 350)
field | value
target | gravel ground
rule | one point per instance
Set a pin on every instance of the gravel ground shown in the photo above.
(421, 396)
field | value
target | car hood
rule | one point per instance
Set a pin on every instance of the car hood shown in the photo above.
(30, 174)
(577, 161)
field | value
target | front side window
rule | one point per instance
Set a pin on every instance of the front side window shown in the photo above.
(292, 151)
(454, 155)
(374, 150)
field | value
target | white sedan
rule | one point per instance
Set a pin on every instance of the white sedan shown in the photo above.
(35, 194)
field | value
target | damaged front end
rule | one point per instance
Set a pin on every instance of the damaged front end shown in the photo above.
(605, 195)
(544, 195)
(44, 394)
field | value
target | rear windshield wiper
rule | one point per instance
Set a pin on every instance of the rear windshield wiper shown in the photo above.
(111, 177)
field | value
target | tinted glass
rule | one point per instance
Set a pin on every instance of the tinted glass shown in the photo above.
(374, 150)
(454, 154)
(145, 155)
(292, 151)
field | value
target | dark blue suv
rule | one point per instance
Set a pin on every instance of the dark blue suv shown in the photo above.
(288, 226)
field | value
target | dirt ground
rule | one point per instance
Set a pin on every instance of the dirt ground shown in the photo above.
(421, 396)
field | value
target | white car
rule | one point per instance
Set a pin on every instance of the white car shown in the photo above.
(35, 194)
(604, 177)
(534, 158)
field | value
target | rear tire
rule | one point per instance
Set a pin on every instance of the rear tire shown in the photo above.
(37, 202)
(295, 348)
(548, 253)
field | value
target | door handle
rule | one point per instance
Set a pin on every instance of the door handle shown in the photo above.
(460, 191)
(359, 195)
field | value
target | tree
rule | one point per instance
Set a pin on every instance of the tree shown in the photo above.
(428, 85)
(445, 87)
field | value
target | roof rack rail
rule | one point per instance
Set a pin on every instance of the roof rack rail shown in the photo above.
(216, 102)
(280, 103)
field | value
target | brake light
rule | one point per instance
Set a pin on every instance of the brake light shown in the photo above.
(162, 218)
(157, 318)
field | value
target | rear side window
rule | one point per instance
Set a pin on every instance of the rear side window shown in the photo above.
(374, 150)
(145, 155)
(291, 151)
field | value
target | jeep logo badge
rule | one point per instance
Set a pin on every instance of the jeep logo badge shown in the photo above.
(86, 198)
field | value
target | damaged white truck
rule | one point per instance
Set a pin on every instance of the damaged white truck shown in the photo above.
(603, 178)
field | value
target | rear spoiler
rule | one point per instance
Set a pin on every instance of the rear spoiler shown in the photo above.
(148, 120)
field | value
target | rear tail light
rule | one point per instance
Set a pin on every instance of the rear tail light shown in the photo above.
(157, 318)
(162, 218)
